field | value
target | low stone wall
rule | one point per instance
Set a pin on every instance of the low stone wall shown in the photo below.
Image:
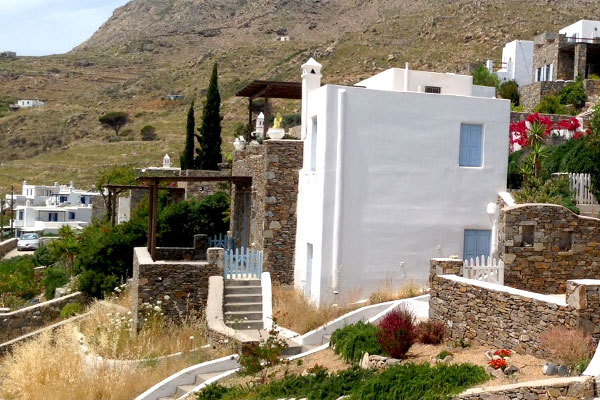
(592, 87)
(181, 287)
(532, 94)
(7, 246)
(544, 245)
(196, 253)
(505, 317)
(580, 388)
(20, 322)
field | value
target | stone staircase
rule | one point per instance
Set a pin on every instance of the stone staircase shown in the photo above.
(242, 304)
(185, 389)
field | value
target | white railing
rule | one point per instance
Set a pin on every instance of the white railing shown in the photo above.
(581, 184)
(486, 270)
(243, 263)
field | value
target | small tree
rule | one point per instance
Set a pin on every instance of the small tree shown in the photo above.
(510, 90)
(114, 120)
(148, 133)
(209, 153)
(482, 76)
(187, 157)
(66, 248)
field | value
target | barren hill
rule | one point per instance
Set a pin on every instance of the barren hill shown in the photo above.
(149, 48)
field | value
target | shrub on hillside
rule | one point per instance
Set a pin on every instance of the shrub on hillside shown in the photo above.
(353, 341)
(510, 90)
(71, 309)
(482, 76)
(573, 93)
(148, 133)
(53, 278)
(430, 332)
(553, 191)
(396, 333)
(42, 257)
(551, 105)
(17, 277)
(570, 346)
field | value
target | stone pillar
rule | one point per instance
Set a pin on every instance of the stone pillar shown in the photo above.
(580, 60)
(241, 214)
(583, 295)
(216, 256)
(444, 266)
(200, 242)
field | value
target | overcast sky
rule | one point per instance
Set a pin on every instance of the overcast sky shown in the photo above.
(42, 27)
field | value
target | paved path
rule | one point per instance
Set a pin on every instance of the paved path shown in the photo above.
(15, 253)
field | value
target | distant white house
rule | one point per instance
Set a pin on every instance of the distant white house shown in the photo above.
(582, 31)
(517, 62)
(29, 103)
(402, 167)
(47, 208)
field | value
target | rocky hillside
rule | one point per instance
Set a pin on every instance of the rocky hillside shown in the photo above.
(150, 48)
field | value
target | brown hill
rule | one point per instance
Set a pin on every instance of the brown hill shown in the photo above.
(149, 48)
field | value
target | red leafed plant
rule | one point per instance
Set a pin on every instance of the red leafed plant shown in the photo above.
(498, 363)
(571, 124)
(502, 353)
(396, 333)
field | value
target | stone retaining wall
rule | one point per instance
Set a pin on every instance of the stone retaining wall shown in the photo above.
(505, 317)
(592, 87)
(184, 282)
(274, 170)
(25, 320)
(580, 388)
(544, 245)
(7, 246)
(196, 253)
(532, 94)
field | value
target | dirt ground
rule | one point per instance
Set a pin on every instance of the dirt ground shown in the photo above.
(530, 367)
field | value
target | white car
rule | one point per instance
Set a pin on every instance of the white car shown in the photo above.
(28, 241)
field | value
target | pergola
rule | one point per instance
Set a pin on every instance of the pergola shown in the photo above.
(153, 183)
(269, 90)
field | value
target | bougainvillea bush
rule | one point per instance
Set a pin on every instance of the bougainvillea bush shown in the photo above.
(397, 333)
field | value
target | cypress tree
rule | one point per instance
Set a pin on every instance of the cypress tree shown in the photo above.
(209, 139)
(187, 157)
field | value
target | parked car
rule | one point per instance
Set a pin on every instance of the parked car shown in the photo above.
(28, 241)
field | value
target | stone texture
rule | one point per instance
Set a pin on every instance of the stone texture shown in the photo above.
(7, 246)
(20, 322)
(532, 94)
(551, 389)
(565, 246)
(274, 170)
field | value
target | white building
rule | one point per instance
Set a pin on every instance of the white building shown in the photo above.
(517, 62)
(47, 208)
(29, 103)
(406, 168)
(582, 31)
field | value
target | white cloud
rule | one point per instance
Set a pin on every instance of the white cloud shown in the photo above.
(41, 27)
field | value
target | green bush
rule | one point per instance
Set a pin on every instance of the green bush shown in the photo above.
(353, 341)
(552, 191)
(97, 283)
(148, 133)
(551, 105)
(53, 278)
(17, 277)
(42, 257)
(482, 76)
(71, 309)
(573, 93)
(510, 90)
(406, 382)
(291, 120)
(515, 178)
(595, 120)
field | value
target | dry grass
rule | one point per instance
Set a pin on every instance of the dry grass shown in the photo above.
(293, 310)
(52, 368)
(570, 346)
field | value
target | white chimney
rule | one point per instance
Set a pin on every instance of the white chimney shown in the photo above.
(167, 161)
(311, 80)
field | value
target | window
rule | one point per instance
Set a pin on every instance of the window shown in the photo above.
(471, 149)
(565, 241)
(71, 215)
(527, 235)
(53, 217)
(433, 89)
(21, 215)
(63, 199)
(82, 199)
(477, 243)
(313, 145)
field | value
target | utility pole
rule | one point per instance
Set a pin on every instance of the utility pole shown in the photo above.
(12, 211)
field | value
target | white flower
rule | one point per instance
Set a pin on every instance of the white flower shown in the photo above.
(191, 338)
(166, 297)
(158, 302)
(157, 308)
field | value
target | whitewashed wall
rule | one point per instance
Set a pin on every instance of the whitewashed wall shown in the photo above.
(404, 199)
(583, 29)
(394, 79)
(517, 59)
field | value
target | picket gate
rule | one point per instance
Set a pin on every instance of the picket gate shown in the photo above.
(485, 270)
(222, 241)
(243, 263)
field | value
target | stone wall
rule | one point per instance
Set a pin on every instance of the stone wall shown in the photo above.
(274, 170)
(184, 283)
(578, 388)
(196, 253)
(592, 88)
(505, 317)
(545, 52)
(544, 245)
(532, 94)
(7, 246)
(28, 319)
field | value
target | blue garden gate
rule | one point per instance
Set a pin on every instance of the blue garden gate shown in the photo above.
(223, 241)
(243, 263)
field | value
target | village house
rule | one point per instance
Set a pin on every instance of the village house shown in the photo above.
(402, 167)
(46, 208)
(517, 61)
(28, 104)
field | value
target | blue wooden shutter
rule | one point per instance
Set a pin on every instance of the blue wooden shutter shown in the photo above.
(470, 145)
(465, 136)
(470, 244)
(477, 243)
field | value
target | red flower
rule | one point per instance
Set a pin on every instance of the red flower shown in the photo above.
(571, 124)
(502, 353)
(498, 363)
(538, 119)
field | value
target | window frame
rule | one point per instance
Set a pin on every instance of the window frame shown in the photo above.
(481, 145)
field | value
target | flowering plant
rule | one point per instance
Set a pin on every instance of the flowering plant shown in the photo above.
(502, 353)
(571, 124)
(498, 363)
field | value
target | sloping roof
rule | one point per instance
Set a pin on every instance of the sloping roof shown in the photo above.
(273, 90)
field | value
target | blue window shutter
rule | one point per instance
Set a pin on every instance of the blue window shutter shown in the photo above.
(477, 243)
(475, 146)
(470, 244)
(464, 145)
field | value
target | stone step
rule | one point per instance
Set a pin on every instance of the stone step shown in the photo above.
(201, 378)
(242, 282)
(184, 389)
(240, 315)
(243, 290)
(248, 324)
(243, 298)
(237, 307)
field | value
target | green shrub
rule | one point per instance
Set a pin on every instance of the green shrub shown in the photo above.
(552, 191)
(17, 277)
(97, 283)
(148, 133)
(482, 76)
(291, 120)
(510, 90)
(573, 93)
(53, 278)
(443, 354)
(353, 341)
(595, 120)
(255, 358)
(515, 178)
(71, 309)
(42, 257)
(551, 105)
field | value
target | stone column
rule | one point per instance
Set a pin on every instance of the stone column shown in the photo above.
(580, 60)
(216, 256)
(583, 296)
(444, 266)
